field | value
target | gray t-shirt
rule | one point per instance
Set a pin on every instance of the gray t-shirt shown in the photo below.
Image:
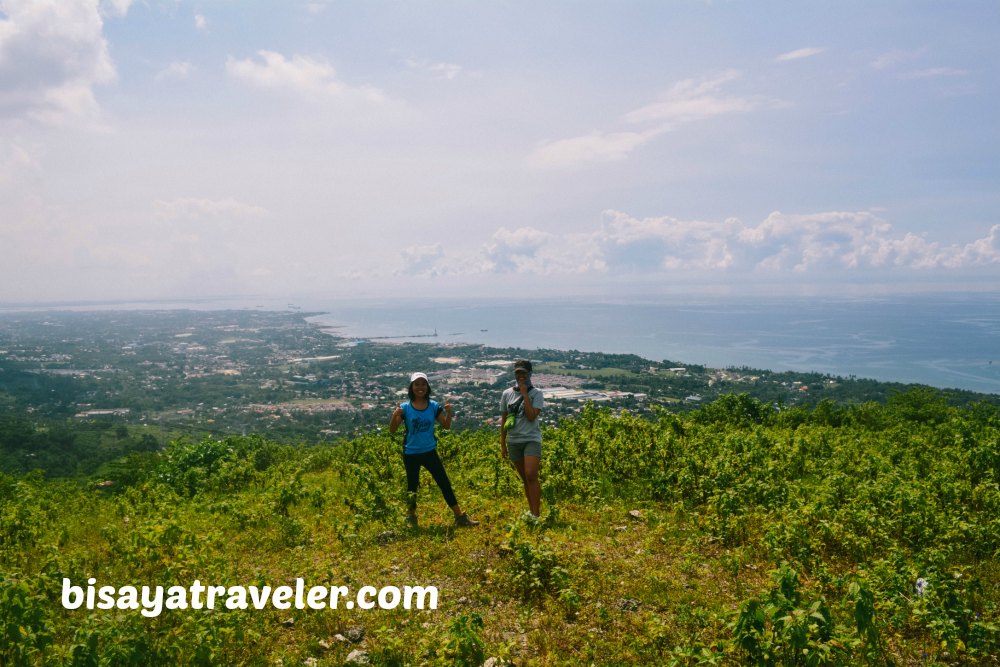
(523, 429)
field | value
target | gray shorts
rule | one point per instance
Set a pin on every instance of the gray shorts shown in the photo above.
(518, 450)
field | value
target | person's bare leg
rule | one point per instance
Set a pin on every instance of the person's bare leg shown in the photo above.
(532, 487)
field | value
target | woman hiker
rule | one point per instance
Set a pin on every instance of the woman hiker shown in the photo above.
(420, 446)
(520, 432)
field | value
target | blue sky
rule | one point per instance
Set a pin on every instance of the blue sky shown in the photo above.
(166, 149)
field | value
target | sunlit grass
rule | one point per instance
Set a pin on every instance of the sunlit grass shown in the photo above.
(657, 541)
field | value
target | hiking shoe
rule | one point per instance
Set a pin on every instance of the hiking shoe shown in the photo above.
(411, 521)
(464, 520)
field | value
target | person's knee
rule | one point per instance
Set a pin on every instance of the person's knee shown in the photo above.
(530, 469)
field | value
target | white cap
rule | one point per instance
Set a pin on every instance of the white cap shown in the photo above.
(417, 376)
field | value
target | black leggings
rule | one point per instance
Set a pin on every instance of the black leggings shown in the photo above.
(432, 462)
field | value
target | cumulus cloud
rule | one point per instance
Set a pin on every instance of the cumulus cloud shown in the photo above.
(522, 250)
(828, 241)
(652, 244)
(799, 54)
(515, 249)
(200, 22)
(52, 55)
(803, 244)
(980, 252)
(307, 76)
(422, 260)
(823, 240)
(687, 101)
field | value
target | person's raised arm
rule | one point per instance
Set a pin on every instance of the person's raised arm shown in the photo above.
(444, 417)
(397, 418)
(530, 411)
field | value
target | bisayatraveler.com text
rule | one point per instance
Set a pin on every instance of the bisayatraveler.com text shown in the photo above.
(150, 601)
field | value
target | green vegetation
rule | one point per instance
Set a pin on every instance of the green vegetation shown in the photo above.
(734, 534)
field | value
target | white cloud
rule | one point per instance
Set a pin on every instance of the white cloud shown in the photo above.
(315, 7)
(687, 101)
(693, 100)
(448, 71)
(803, 243)
(823, 240)
(653, 244)
(595, 147)
(981, 251)
(925, 255)
(52, 55)
(896, 59)
(300, 74)
(524, 250)
(422, 260)
(530, 250)
(115, 7)
(516, 249)
(799, 54)
(175, 70)
(200, 22)
(891, 59)
(796, 245)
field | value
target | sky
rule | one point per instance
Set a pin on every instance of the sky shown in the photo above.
(154, 149)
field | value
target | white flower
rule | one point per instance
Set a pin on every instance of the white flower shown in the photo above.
(921, 586)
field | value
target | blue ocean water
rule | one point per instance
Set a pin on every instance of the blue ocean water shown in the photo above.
(946, 341)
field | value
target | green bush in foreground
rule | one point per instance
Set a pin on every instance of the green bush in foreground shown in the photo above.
(738, 534)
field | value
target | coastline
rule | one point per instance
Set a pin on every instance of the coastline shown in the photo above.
(943, 340)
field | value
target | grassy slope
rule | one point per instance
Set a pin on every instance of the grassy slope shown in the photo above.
(720, 506)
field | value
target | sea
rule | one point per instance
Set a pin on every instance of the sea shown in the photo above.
(941, 340)
(944, 340)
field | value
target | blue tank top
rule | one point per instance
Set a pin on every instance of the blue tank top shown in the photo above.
(420, 427)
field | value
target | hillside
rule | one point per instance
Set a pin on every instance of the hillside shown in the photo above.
(734, 534)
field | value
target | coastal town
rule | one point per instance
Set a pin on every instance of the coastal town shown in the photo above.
(272, 372)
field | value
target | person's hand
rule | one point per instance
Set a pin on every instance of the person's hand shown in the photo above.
(398, 412)
(447, 408)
